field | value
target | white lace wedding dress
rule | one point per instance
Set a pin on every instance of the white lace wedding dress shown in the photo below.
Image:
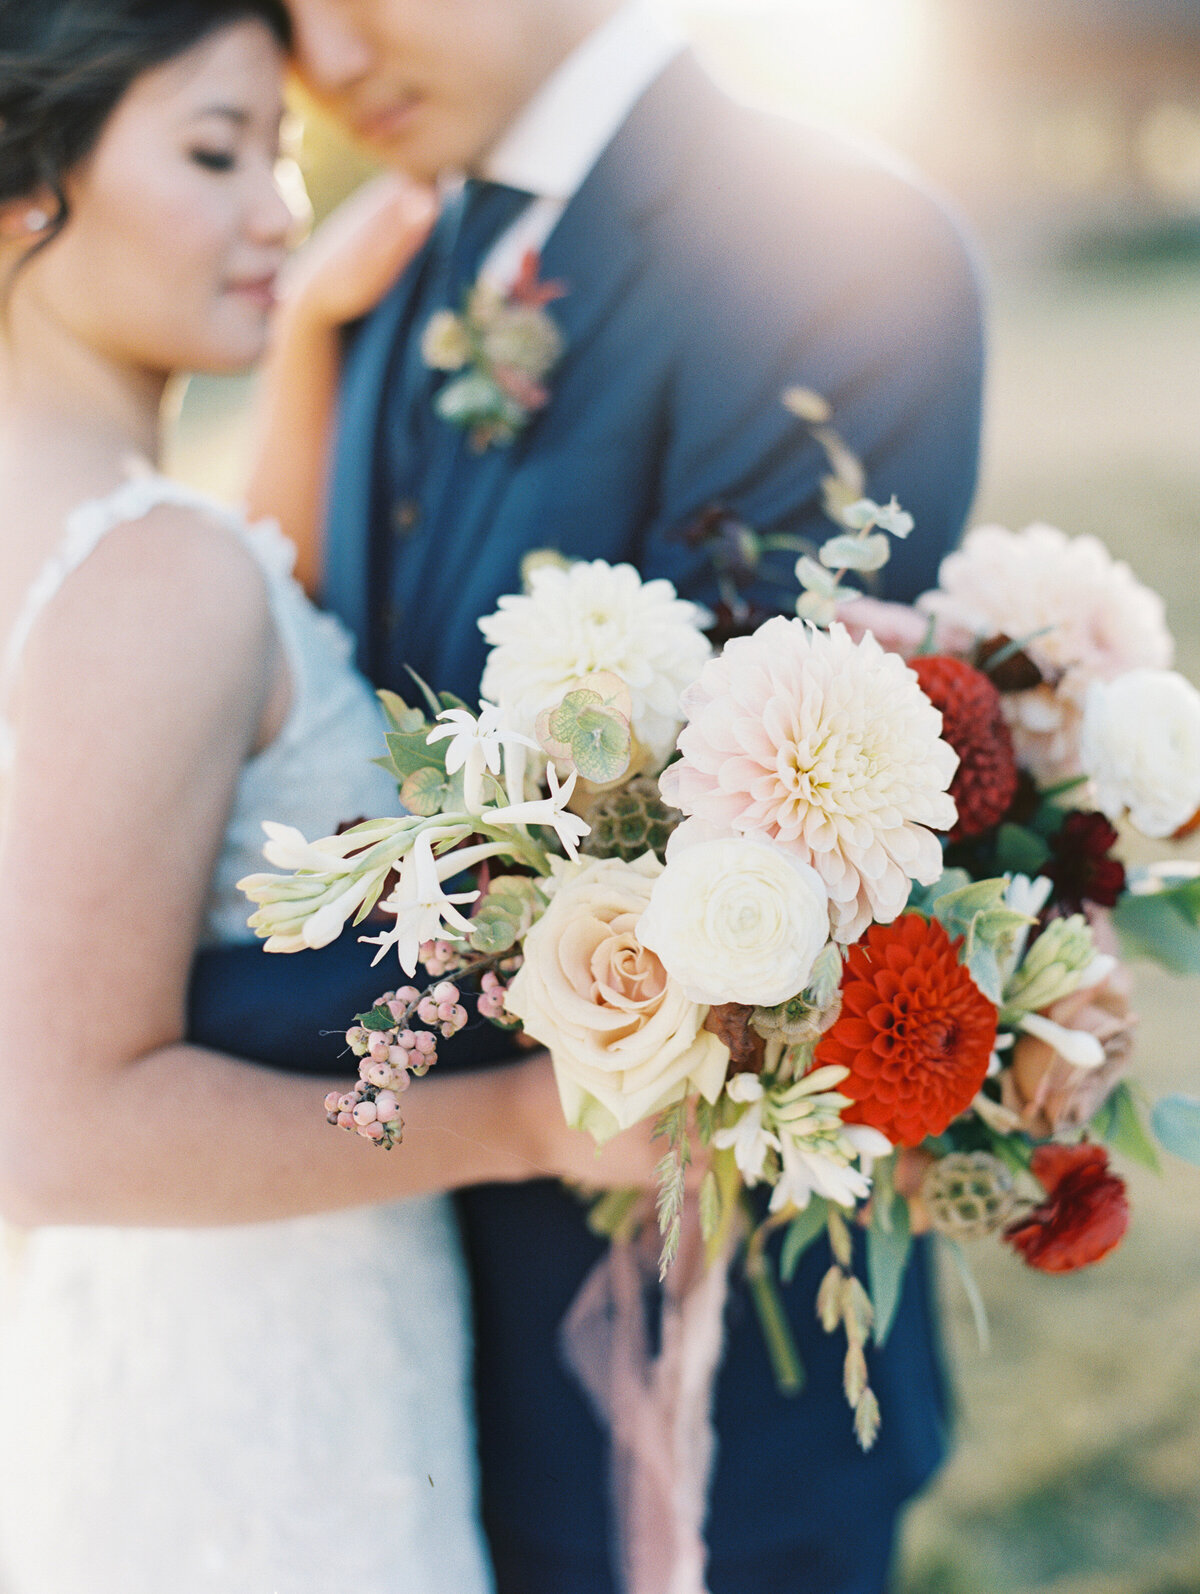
(278, 1408)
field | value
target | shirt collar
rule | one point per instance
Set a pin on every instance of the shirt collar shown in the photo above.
(561, 133)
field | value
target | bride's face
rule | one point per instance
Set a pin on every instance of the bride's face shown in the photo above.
(176, 230)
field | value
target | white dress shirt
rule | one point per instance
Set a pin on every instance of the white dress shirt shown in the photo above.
(560, 135)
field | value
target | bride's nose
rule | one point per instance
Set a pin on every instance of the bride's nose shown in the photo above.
(271, 221)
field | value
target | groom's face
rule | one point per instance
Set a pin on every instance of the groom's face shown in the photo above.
(429, 85)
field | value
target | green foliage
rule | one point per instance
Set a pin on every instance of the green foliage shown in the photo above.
(1163, 926)
(1020, 851)
(804, 1228)
(989, 928)
(889, 1242)
(1176, 1120)
(710, 1206)
(379, 1018)
(1119, 1124)
(589, 729)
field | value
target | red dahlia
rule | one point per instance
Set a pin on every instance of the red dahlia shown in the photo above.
(1080, 866)
(915, 1031)
(974, 725)
(1084, 1215)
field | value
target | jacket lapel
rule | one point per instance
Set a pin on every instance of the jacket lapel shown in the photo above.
(352, 483)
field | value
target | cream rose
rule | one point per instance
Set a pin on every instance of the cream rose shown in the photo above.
(737, 919)
(1141, 747)
(625, 1039)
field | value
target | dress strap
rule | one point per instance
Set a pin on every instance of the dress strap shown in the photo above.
(84, 529)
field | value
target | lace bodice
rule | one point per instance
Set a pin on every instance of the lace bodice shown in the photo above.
(317, 773)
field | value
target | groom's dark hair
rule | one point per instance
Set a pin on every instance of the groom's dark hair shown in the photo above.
(65, 65)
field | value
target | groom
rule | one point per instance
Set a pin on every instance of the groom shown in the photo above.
(709, 258)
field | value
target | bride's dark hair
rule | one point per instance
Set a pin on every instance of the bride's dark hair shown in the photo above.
(65, 64)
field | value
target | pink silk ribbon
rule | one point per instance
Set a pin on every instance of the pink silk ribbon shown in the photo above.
(657, 1409)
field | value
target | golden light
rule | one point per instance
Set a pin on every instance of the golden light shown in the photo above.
(864, 61)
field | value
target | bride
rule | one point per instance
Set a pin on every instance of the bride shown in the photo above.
(232, 1357)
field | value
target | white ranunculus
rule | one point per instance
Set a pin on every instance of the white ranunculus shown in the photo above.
(625, 1039)
(1140, 745)
(737, 919)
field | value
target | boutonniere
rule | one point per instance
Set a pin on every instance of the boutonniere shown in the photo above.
(503, 346)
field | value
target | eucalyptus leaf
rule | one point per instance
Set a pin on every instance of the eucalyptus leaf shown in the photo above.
(814, 578)
(1119, 1124)
(425, 792)
(855, 553)
(1163, 926)
(1176, 1121)
(889, 1242)
(962, 1267)
(804, 1228)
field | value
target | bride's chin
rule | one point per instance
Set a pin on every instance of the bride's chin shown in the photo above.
(234, 353)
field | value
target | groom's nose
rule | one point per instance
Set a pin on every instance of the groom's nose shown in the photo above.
(330, 52)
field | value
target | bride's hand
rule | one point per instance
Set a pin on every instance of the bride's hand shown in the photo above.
(626, 1161)
(359, 251)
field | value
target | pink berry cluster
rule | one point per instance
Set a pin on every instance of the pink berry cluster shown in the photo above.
(390, 1058)
(440, 957)
(490, 1001)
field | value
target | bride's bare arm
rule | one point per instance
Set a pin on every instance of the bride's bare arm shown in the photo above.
(142, 692)
(344, 271)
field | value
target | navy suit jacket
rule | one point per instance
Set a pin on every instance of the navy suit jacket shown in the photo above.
(713, 258)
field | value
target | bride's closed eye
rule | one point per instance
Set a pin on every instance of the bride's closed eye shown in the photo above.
(214, 160)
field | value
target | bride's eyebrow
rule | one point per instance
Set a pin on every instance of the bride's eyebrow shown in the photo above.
(228, 113)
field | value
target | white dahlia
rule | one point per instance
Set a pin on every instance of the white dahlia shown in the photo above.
(1098, 620)
(828, 747)
(588, 617)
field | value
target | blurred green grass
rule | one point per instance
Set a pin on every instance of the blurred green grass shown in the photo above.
(1076, 1467)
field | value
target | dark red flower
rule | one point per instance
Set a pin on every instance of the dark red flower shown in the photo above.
(973, 723)
(1080, 866)
(1085, 1213)
(915, 1031)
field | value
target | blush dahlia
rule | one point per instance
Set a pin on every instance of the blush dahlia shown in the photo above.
(1085, 1213)
(915, 1031)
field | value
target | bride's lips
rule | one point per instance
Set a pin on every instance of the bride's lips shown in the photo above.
(260, 291)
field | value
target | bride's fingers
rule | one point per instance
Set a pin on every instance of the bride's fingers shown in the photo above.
(629, 1159)
(361, 249)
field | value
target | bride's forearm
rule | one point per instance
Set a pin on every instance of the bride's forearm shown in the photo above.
(189, 1137)
(295, 424)
(185, 1137)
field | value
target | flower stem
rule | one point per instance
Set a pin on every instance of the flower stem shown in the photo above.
(768, 1303)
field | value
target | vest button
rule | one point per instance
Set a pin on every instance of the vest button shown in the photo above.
(406, 517)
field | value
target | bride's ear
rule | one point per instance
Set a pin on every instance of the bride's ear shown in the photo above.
(28, 219)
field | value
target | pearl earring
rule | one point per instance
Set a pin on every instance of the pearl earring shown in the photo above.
(36, 220)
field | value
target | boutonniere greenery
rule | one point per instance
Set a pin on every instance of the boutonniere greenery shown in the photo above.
(500, 348)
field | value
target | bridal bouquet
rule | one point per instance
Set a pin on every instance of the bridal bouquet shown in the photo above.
(840, 903)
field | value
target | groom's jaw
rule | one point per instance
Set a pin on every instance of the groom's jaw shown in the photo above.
(428, 86)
